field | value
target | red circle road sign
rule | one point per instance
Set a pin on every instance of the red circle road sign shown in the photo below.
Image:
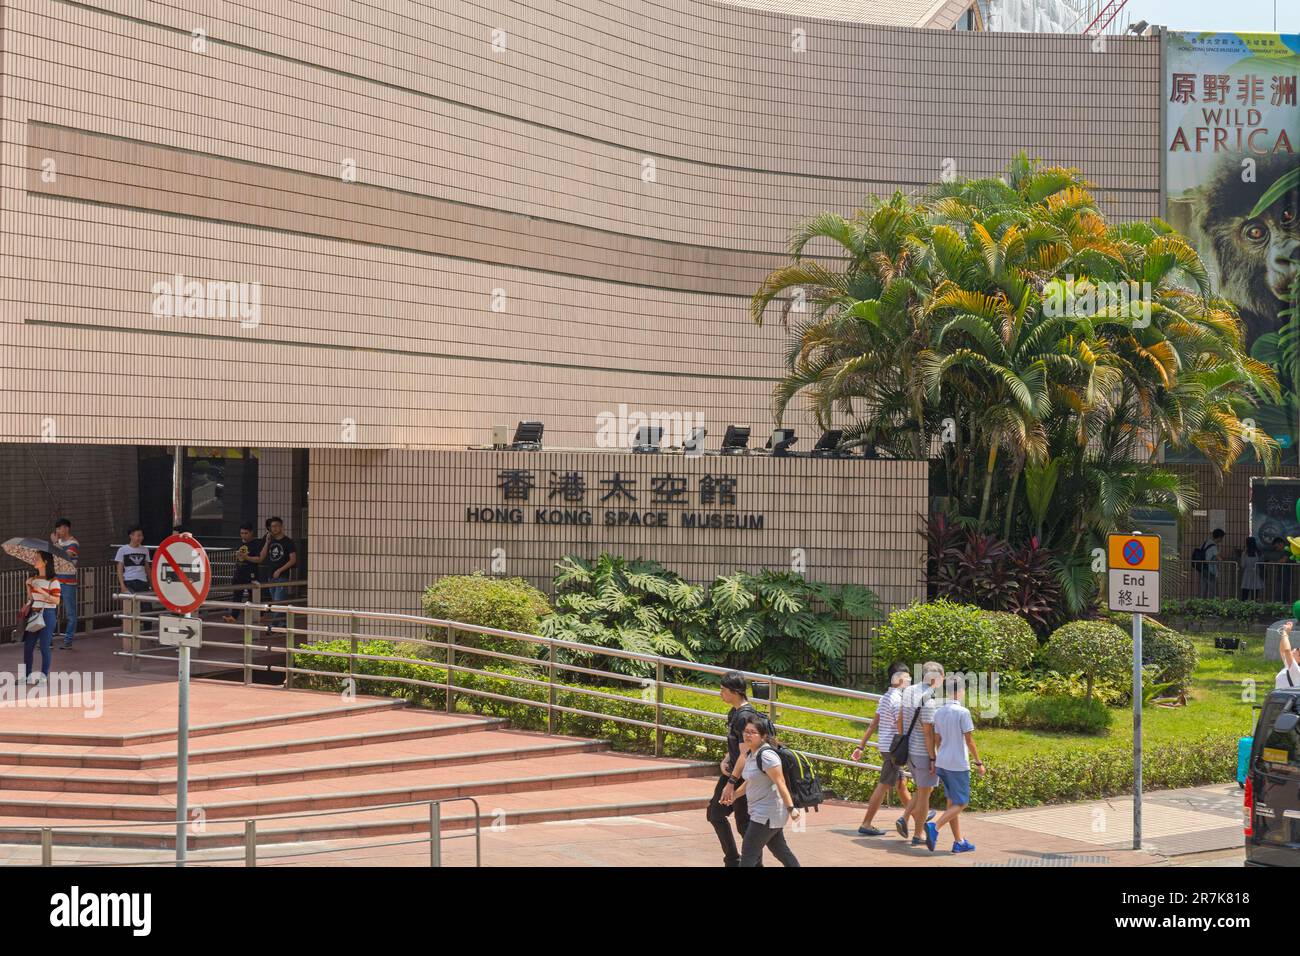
(182, 574)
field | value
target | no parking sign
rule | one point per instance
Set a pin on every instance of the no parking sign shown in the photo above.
(182, 574)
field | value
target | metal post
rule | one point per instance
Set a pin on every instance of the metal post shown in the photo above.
(178, 490)
(435, 834)
(182, 753)
(552, 675)
(659, 708)
(133, 629)
(250, 843)
(451, 659)
(288, 649)
(352, 654)
(47, 846)
(248, 644)
(771, 700)
(1137, 731)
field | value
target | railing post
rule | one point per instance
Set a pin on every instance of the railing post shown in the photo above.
(133, 629)
(435, 833)
(288, 650)
(248, 644)
(771, 701)
(659, 708)
(352, 653)
(250, 843)
(47, 846)
(451, 660)
(552, 675)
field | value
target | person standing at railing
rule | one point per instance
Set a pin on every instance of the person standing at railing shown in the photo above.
(278, 558)
(1252, 582)
(724, 802)
(246, 568)
(43, 595)
(132, 561)
(1207, 556)
(62, 538)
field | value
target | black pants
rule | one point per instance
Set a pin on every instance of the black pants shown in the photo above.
(717, 814)
(760, 835)
(136, 587)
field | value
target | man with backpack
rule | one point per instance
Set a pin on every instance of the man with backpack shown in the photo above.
(724, 801)
(1205, 559)
(886, 724)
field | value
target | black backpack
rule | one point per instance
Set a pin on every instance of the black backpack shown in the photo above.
(805, 789)
(1198, 554)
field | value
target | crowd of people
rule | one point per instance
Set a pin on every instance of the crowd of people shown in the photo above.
(1258, 580)
(923, 731)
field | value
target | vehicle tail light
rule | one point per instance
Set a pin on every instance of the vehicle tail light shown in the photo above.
(1249, 806)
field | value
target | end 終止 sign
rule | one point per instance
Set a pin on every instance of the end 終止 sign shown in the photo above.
(1133, 569)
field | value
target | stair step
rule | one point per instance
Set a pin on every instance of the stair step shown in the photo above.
(513, 776)
(40, 738)
(326, 734)
(424, 753)
(506, 809)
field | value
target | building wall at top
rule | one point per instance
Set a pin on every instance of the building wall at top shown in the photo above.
(614, 177)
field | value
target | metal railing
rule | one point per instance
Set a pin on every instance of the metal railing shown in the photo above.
(548, 673)
(1223, 580)
(249, 843)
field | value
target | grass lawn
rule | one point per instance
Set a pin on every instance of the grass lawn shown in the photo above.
(1214, 705)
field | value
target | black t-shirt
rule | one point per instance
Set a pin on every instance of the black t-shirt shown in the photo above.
(738, 719)
(277, 555)
(246, 571)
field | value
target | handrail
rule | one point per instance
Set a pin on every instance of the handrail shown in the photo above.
(547, 679)
(249, 855)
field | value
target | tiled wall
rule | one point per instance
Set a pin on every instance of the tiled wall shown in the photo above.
(132, 151)
(93, 486)
(386, 524)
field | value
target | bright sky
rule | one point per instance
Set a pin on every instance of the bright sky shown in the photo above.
(1239, 16)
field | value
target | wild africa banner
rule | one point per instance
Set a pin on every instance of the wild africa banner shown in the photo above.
(1233, 187)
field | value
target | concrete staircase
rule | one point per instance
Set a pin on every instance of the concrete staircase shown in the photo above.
(334, 757)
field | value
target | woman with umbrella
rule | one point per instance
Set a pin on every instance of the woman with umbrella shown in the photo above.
(43, 598)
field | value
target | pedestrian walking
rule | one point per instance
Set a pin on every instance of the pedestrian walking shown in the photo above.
(43, 597)
(916, 719)
(770, 803)
(62, 539)
(885, 725)
(279, 556)
(954, 741)
(1206, 560)
(724, 802)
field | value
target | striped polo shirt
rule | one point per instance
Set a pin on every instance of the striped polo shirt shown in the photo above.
(73, 550)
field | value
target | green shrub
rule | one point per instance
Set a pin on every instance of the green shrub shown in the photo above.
(1096, 649)
(1227, 611)
(507, 604)
(1014, 642)
(1062, 714)
(958, 636)
(1173, 654)
(1056, 684)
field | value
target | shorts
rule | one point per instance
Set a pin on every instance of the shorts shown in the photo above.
(922, 774)
(890, 772)
(956, 786)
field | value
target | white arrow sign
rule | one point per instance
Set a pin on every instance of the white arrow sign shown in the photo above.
(180, 631)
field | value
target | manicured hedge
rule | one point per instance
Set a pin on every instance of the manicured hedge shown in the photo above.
(1082, 774)
(958, 636)
(1096, 649)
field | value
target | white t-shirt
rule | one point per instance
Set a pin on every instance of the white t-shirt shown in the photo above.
(952, 722)
(133, 561)
(1292, 670)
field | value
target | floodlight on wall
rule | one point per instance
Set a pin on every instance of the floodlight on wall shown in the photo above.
(695, 444)
(736, 440)
(780, 442)
(500, 436)
(828, 446)
(648, 438)
(528, 437)
(1138, 27)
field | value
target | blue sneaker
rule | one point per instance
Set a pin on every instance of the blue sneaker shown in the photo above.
(931, 815)
(901, 826)
(917, 841)
(964, 846)
(870, 831)
(931, 835)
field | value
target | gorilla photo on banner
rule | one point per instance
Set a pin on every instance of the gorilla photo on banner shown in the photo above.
(1248, 234)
